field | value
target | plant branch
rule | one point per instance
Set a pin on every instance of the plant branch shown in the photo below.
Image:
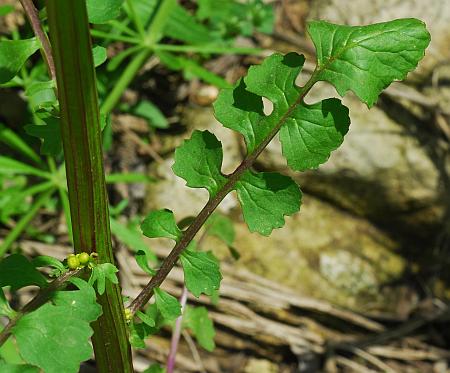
(33, 18)
(170, 261)
(40, 298)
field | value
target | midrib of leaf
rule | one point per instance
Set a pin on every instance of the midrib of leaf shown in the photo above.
(170, 261)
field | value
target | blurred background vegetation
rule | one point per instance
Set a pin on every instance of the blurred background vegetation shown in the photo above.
(357, 282)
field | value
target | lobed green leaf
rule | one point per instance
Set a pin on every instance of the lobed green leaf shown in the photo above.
(161, 223)
(366, 59)
(13, 54)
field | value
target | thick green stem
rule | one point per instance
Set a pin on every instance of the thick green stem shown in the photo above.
(80, 129)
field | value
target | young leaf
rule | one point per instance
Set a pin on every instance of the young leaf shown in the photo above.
(101, 11)
(366, 59)
(47, 261)
(13, 54)
(167, 304)
(5, 308)
(197, 320)
(142, 258)
(62, 326)
(161, 223)
(101, 273)
(265, 199)
(16, 271)
(201, 272)
(198, 161)
(99, 55)
(146, 318)
(50, 133)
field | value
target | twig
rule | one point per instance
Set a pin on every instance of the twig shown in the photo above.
(33, 18)
(37, 301)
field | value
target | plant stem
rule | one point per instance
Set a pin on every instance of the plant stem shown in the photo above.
(207, 49)
(170, 261)
(37, 301)
(125, 79)
(33, 18)
(27, 218)
(81, 135)
(176, 333)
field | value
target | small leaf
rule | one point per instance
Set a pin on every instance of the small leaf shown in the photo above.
(5, 308)
(63, 327)
(146, 318)
(201, 272)
(99, 55)
(142, 257)
(197, 320)
(167, 304)
(50, 133)
(13, 54)
(266, 198)
(47, 261)
(102, 272)
(41, 95)
(366, 59)
(138, 334)
(101, 11)
(198, 161)
(222, 227)
(149, 111)
(17, 271)
(161, 223)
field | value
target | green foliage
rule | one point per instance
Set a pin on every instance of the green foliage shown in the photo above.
(366, 59)
(17, 368)
(61, 326)
(201, 271)
(5, 308)
(101, 11)
(17, 271)
(155, 368)
(13, 54)
(161, 223)
(102, 272)
(199, 160)
(142, 258)
(168, 305)
(197, 320)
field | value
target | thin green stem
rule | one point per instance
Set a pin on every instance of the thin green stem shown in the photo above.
(152, 36)
(27, 218)
(125, 79)
(121, 27)
(170, 261)
(206, 49)
(107, 36)
(136, 19)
